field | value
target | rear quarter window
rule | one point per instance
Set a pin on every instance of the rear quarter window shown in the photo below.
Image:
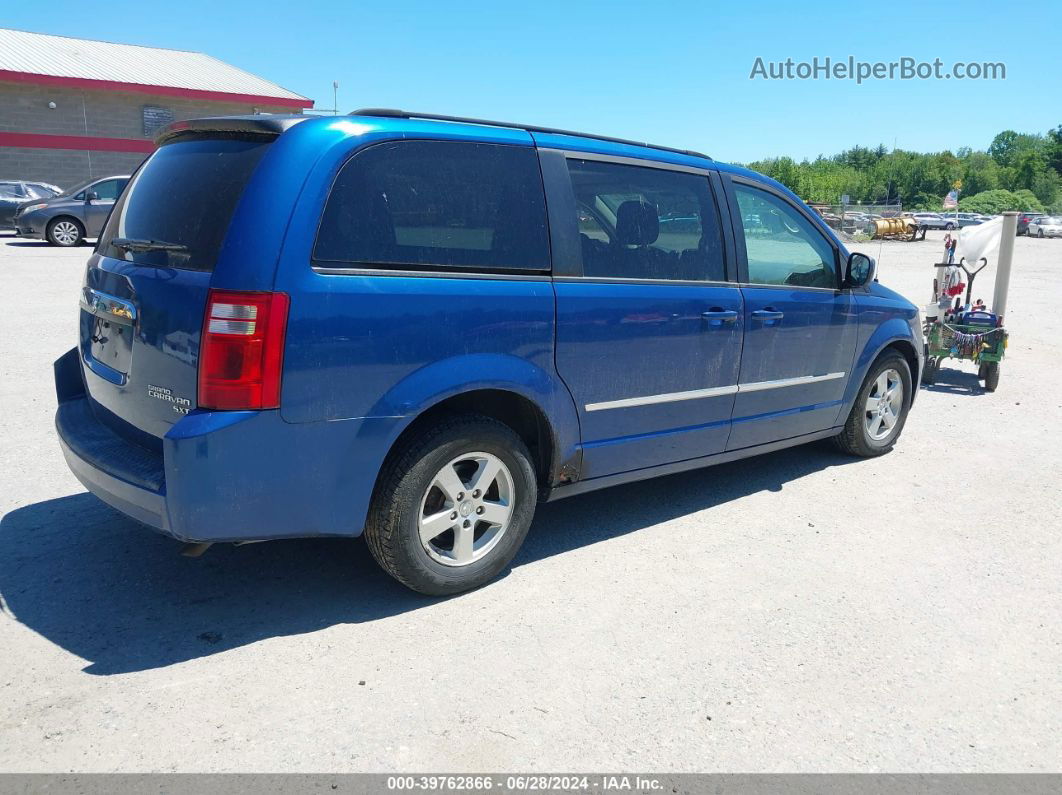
(436, 204)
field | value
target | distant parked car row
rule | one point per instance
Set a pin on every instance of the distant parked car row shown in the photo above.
(947, 221)
(70, 216)
(1038, 225)
(855, 220)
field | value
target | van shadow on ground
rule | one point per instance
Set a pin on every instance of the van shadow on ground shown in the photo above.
(118, 595)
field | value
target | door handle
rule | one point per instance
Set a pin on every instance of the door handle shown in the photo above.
(768, 316)
(717, 317)
(107, 306)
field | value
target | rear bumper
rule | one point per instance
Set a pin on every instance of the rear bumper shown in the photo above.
(135, 501)
(226, 476)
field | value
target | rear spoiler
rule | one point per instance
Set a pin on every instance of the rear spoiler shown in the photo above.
(255, 126)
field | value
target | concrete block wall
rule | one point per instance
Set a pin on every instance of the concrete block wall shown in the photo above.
(107, 114)
(65, 167)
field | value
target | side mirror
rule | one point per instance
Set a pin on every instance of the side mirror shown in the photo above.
(91, 196)
(859, 271)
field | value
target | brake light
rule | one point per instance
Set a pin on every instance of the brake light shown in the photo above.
(241, 354)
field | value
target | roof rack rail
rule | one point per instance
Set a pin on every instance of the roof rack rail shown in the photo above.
(392, 113)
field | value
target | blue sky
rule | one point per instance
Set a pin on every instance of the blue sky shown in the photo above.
(672, 73)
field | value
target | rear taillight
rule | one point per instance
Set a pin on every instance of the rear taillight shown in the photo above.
(241, 355)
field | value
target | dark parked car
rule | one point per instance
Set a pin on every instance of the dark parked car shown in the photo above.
(393, 325)
(70, 217)
(1025, 219)
(14, 192)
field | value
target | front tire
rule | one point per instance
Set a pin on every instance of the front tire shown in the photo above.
(991, 376)
(880, 408)
(453, 505)
(1041, 234)
(65, 232)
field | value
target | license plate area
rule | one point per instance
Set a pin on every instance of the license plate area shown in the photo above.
(111, 344)
(107, 327)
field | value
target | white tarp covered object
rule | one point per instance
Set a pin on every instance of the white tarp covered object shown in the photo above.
(979, 241)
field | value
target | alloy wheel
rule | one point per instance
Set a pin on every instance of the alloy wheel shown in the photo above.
(884, 405)
(66, 233)
(466, 509)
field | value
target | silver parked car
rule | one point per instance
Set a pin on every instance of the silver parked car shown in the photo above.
(14, 192)
(67, 219)
(934, 221)
(966, 219)
(1046, 226)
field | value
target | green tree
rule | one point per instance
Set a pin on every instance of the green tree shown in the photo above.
(1027, 201)
(1006, 146)
(1028, 165)
(980, 173)
(1047, 187)
(1003, 147)
(1016, 164)
(989, 202)
(1053, 149)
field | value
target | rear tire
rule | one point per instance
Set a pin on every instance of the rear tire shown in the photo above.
(879, 414)
(991, 376)
(65, 232)
(929, 371)
(430, 484)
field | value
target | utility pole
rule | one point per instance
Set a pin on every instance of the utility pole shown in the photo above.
(335, 97)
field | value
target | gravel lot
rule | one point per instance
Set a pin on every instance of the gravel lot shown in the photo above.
(800, 611)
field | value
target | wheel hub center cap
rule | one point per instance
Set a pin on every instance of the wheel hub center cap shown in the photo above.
(466, 508)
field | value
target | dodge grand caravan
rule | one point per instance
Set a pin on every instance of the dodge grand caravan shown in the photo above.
(417, 327)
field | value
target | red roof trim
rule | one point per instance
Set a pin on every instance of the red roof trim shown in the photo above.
(93, 143)
(141, 88)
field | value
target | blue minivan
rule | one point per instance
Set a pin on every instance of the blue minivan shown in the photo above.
(417, 327)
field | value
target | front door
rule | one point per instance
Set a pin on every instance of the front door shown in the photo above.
(800, 329)
(649, 330)
(97, 210)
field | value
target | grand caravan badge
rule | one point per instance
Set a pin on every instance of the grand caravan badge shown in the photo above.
(179, 404)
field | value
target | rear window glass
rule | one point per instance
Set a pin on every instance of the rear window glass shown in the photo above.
(182, 199)
(437, 204)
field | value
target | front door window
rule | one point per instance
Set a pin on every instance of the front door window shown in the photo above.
(783, 246)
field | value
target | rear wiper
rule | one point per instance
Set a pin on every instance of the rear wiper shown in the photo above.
(138, 244)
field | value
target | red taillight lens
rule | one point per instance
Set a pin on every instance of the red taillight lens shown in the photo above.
(241, 354)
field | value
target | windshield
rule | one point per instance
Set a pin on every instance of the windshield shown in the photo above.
(78, 188)
(176, 210)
